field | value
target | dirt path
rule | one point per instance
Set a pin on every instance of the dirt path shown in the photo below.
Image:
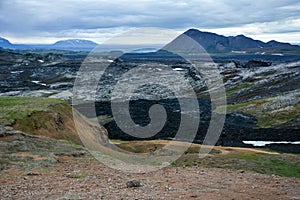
(86, 178)
(227, 150)
(222, 149)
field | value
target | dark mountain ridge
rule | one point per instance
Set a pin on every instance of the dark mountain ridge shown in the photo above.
(214, 43)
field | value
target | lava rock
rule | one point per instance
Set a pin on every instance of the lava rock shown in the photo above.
(133, 183)
(256, 63)
(33, 174)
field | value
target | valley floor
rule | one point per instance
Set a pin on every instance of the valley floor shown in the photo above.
(86, 178)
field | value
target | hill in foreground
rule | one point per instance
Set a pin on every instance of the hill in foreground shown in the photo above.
(47, 117)
(32, 160)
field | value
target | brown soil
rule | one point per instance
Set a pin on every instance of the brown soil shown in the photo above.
(146, 146)
(58, 123)
(243, 150)
(64, 176)
(86, 178)
(34, 157)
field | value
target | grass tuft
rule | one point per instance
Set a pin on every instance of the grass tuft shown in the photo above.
(19, 108)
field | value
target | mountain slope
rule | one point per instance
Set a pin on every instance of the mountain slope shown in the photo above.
(214, 43)
(48, 117)
(4, 43)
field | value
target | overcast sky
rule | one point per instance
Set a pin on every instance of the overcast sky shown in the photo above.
(46, 21)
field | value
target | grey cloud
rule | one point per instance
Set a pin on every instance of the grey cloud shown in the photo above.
(36, 16)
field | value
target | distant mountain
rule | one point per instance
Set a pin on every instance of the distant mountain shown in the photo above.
(4, 43)
(214, 43)
(145, 50)
(71, 45)
(211, 42)
(274, 43)
(74, 44)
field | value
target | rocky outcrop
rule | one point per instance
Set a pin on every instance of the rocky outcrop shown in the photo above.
(287, 148)
(238, 127)
(8, 131)
(257, 63)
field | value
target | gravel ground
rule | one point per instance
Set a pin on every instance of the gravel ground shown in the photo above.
(86, 178)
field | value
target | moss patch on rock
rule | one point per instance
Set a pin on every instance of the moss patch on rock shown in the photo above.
(270, 112)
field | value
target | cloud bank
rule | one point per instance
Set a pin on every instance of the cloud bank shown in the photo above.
(99, 20)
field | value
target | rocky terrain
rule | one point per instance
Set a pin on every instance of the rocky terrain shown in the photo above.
(41, 152)
(82, 178)
(41, 167)
(262, 97)
(40, 162)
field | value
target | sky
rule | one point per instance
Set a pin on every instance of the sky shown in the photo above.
(47, 21)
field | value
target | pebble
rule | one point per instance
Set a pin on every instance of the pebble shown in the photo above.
(133, 183)
(33, 174)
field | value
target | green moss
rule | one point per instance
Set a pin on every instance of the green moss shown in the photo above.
(78, 175)
(195, 150)
(266, 117)
(3, 162)
(282, 165)
(117, 141)
(19, 108)
(269, 119)
(287, 165)
(239, 87)
(104, 119)
(73, 145)
(173, 163)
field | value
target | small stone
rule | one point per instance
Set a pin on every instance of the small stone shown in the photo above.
(9, 128)
(71, 154)
(33, 174)
(2, 132)
(78, 153)
(133, 183)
